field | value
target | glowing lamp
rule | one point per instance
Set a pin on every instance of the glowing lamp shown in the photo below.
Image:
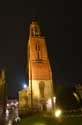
(54, 99)
(58, 113)
(24, 86)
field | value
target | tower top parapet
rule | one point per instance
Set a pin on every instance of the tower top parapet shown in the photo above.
(34, 29)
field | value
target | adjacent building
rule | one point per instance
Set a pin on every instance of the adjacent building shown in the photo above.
(2, 96)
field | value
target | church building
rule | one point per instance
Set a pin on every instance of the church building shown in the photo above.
(38, 69)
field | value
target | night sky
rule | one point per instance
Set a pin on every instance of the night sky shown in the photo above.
(60, 23)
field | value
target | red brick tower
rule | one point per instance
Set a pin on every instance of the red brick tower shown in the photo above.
(40, 74)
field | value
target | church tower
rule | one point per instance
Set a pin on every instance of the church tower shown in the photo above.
(40, 74)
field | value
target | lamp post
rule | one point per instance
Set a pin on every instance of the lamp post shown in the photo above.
(3, 98)
(31, 86)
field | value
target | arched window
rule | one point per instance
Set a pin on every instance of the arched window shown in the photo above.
(37, 47)
(35, 31)
(41, 87)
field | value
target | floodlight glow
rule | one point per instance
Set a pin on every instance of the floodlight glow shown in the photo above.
(16, 103)
(24, 86)
(12, 103)
(54, 99)
(7, 112)
(58, 113)
(7, 105)
(10, 122)
(49, 103)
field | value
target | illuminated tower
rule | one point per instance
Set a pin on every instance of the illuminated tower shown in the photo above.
(40, 74)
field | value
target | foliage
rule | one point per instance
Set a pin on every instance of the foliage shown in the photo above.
(65, 98)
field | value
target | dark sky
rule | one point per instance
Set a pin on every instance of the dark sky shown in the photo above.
(61, 24)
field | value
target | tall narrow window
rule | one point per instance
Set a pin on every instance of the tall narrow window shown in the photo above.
(41, 88)
(38, 51)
